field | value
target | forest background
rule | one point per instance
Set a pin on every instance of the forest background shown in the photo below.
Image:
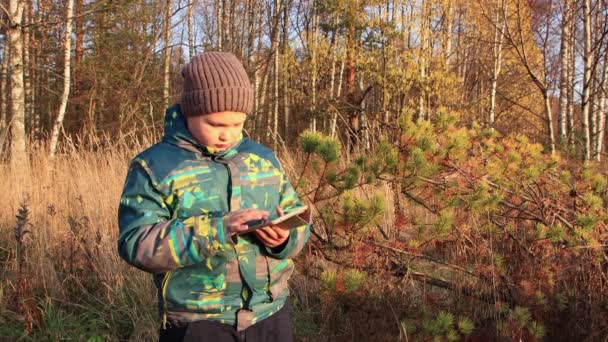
(453, 151)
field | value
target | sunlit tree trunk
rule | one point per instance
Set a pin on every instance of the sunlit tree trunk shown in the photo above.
(275, 121)
(66, 79)
(219, 15)
(313, 57)
(274, 43)
(4, 82)
(564, 70)
(229, 26)
(334, 57)
(497, 54)
(447, 30)
(588, 62)
(286, 75)
(191, 48)
(334, 117)
(17, 124)
(167, 52)
(424, 20)
(27, 67)
(602, 98)
(571, 75)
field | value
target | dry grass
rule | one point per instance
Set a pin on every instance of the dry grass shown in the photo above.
(72, 267)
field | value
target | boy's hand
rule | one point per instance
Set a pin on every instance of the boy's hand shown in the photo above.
(272, 236)
(237, 220)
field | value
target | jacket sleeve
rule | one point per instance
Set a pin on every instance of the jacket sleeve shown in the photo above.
(150, 240)
(288, 200)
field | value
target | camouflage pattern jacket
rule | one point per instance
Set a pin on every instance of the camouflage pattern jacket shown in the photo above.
(171, 218)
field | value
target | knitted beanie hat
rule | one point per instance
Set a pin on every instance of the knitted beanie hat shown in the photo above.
(215, 82)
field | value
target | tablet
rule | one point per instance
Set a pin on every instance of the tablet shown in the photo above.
(295, 218)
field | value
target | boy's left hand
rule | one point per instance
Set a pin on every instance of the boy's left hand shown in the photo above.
(272, 236)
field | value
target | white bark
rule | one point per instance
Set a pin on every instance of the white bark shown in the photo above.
(167, 53)
(564, 69)
(220, 23)
(497, 52)
(191, 48)
(313, 84)
(334, 118)
(66, 79)
(571, 80)
(286, 75)
(275, 123)
(603, 98)
(17, 125)
(588, 62)
(27, 71)
(422, 59)
(447, 26)
(4, 81)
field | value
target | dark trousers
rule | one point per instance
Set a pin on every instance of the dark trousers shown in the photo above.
(276, 328)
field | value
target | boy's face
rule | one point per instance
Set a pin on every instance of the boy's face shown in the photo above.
(217, 130)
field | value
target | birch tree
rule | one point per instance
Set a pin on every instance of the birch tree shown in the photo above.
(313, 58)
(587, 62)
(286, 75)
(497, 55)
(17, 124)
(602, 93)
(191, 48)
(66, 79)
(4, 82)
(167, 52)
(564, 70)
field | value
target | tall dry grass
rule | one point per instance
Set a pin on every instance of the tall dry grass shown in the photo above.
(76, 285)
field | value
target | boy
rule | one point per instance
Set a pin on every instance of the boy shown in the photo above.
(186, 199)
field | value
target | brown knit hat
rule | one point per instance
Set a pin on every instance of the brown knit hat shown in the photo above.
(215, 82)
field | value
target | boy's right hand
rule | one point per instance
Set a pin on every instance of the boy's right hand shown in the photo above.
(237, 220)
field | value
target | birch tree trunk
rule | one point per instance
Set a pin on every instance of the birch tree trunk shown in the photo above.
(602, 98)
(571, 78)
(334, 57)
(422, 59)
(275, 123)
(286, 76)
(588, 61)
(191, 49)
(220, 23)
(594, 88)
(564, 69)
(4, 82)
(274, 42)
(334, 117)
(251, 14)
(447, 30)
(27, 70)
(66, 79)
(229, 26)
(497, 53)
(17, 124)
(313, 84)
(167, 53)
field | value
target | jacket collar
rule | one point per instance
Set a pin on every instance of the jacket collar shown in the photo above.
(177, 133)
